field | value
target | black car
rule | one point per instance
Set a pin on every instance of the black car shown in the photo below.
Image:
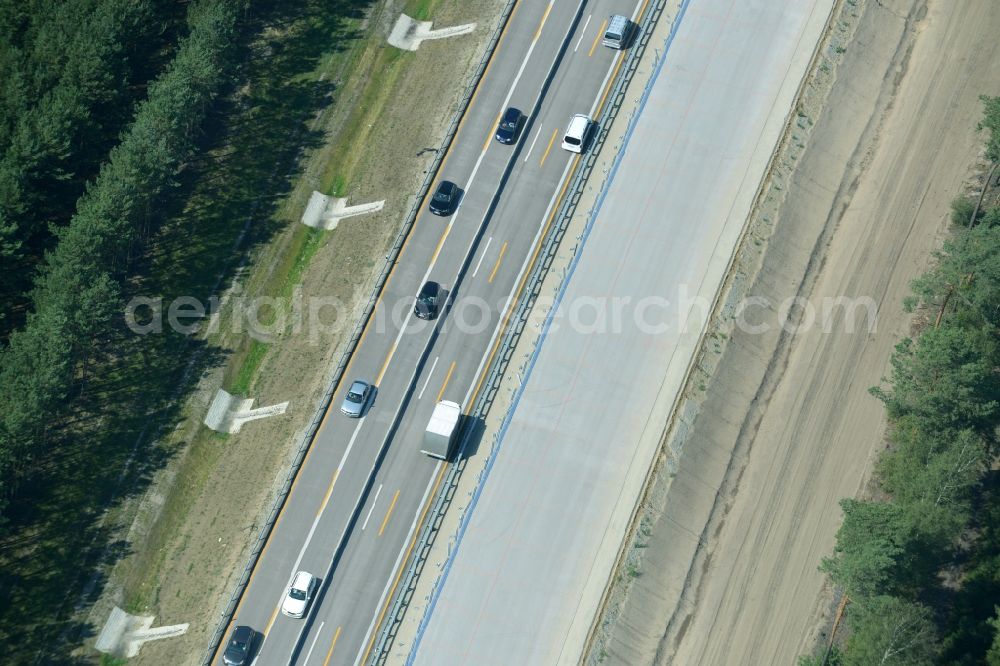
(445, 198)
(426, 306)
(509, 127)
(240, 645)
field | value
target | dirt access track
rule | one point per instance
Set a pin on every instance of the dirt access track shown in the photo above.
(778, 426)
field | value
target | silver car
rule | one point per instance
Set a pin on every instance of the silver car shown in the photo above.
(356, 399)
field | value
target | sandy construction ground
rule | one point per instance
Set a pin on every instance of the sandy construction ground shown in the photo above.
(723, 565)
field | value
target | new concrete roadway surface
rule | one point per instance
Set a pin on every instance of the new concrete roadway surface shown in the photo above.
(352, 510)
(539, 539)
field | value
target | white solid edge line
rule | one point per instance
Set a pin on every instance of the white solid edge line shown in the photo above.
(312, 529)
(532, 146)
(524, 63)
(374, 502)
(350, 445)
(482, 256)
(582, 32)
(635, 11)
(614, 60)
(428, 380)
(395, 566)
(311, 647)
(611, 69)
(319, 514)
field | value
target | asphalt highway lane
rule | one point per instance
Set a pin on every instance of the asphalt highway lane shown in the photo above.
(526, 574)
(364, 485)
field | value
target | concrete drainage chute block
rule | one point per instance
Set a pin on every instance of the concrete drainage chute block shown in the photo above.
(124, 634)
(408, 33)
(228, 413)
(327, 212)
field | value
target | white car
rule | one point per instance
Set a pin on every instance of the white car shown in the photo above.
(299, 594)
(577, 133)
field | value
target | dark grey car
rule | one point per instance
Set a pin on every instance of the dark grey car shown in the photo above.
(426, 306)
(240, 645)
(509, 127)
(356, 399)
(445, 198)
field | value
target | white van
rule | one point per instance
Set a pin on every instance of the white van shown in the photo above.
(577, 133)
(618, 33)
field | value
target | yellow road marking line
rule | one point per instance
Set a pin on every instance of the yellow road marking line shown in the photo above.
(329, 491)
(549, 147)
(642, 10)
(270, 623)
(385, 521)
(406, 557)
(493, 127)
(499, 259)
(437, 250)
(385, 364)
(332, 645)
(447, 378)
(597, 38)
(545, 17)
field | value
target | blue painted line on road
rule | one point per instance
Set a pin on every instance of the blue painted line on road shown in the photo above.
(467, 516)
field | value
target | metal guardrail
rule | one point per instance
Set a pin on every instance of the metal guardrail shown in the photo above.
(391, 258)
(521, 309)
